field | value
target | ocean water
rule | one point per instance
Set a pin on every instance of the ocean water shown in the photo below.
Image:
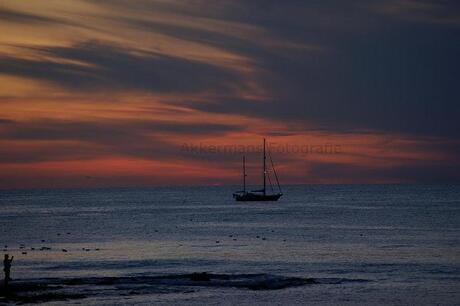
(318, 245)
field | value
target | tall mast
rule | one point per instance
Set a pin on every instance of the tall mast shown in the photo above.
(265, 170)
(244, 173)
(274, 171)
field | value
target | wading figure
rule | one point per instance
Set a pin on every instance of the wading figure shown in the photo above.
(7, 268)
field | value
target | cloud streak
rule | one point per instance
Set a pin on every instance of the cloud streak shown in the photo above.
(106, 67)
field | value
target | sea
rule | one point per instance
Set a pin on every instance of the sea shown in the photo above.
(317, 245)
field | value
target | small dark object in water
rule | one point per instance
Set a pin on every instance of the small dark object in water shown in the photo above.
(230, 236)
(43, 240)
(5, 246)
(96, 249)
(257, 236)
(64, 250)
(68, 233)
(59, 234)
(32, 249)
(264, 238)
(200, 277)
(234, 239)
(217, 241)
(24, 253)
(87, 250)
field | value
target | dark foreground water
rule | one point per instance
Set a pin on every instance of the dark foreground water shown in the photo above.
(342, 245)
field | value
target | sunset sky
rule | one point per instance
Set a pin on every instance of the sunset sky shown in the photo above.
(112, 93)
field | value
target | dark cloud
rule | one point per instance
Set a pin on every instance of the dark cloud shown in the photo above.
(20, 17)
(377, 71)
(112, 68)
(445, 12)
(89, 140)
(5, 121)
(93, 131)
(374, 71)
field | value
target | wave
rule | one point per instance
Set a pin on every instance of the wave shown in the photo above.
(51, 289)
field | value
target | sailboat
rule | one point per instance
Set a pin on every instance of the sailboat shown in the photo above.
(259, 195)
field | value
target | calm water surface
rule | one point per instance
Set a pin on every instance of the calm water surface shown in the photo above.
(389, 244)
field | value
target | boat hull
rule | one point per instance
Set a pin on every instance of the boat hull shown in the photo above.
(254, 197)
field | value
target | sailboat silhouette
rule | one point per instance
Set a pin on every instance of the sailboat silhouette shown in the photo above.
(259, 195)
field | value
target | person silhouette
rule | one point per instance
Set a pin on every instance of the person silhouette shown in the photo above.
(7, 268)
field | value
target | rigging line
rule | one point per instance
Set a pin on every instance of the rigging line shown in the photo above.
(274, 170)
(269, 180)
